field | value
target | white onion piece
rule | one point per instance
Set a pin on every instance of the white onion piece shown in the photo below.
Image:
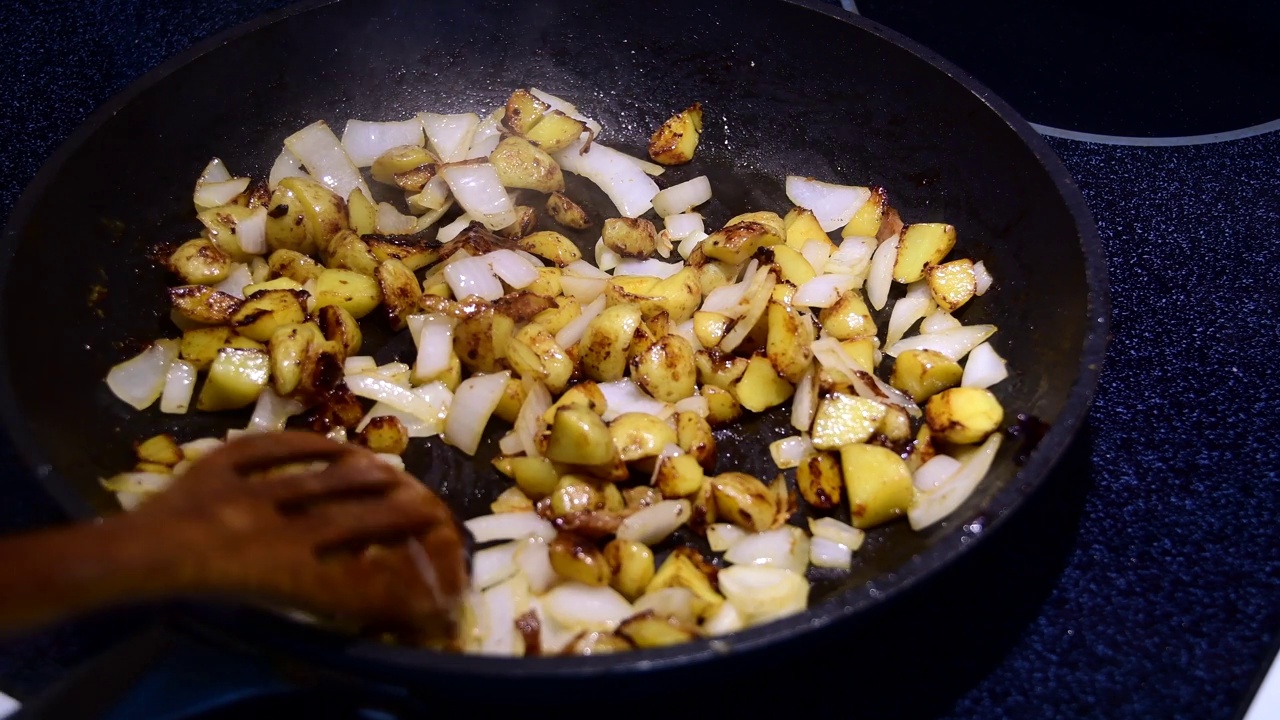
(534, 260)
(669, 451)
(476, 187)
(214, 172)
(955, 344)
(695, 404)
(391, 221)
(493, 565)
(938, 321)
(420, 405)
(823, 291)
(358, 364)
(682, 197)
(287, 165)
(450, 135)
(655, 523)
(582, 268)
(933, 473)
(179, 386)
(473, 276)
(928, 508)
(627, 186)
(322, 154)
(434, 195)
(533, 558)
(691, 243)
(804, 406)
(764, 593)
(414, 425)
(510, 444)
(565, 107)
(500, 605)
(251, 232)
(586, 607)
(759, 290)
(913, 306)
(364, 141)
(393, 372)
(216, 194)
(584, 290)
(573, 330)
(817, 253)
(513, 269)
(649, 168)
(653, 267)
(826, 553)
(853, 257)
(509, 526)
(722, 536)
(880, 273)
(686, 331)
(453, 229)
(271, 412)
(682, 225)
(786, 547)
(726, 300)
(624, 396)
(832, 529)
(529, 418)
(487, 135)
(727, 619)
(672, 602)
(553, 636)
(833, 205)
(435, 346)
(196, 449)
(473, 402)
(789, 452)
(606, 258)
(982, 278)
(984, 368)
(140, 380)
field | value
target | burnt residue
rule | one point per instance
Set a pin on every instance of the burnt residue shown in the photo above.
(1030, 430)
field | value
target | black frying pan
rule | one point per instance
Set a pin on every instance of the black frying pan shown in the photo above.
(788, 88)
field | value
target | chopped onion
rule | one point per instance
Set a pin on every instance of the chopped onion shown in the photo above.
(817, 253)
(216, 194)
(434, 216)
(584, 290)
(606, 258)
(414, 425)
(251, 232)
(911, 307)
(653, 267)
(982, 278)
(669, 451)
(934, 472)
(686, 331)
(587, 607)
(852, 257)
(434, 195)
(789, 452)
(453, 229)
(955, 344)
(786, 547)
(196, 449)
(826, 553)
(653, 524)
(582, 268)
(553, 636)
(628, 187)
(487, 135)
(450, 135)
(682, 225)
(214, 172)
(509, 526)
(565, 107)
(393, 372)
(722, 536)
(930, 507)
(140, 380)
(391, 221)
(727, 619)
(573, 330)
(272, 412)
(179, 386)
(624, 396)
(832, 529)
(435, 345)
(510, 444)
(417, 404)
(322, 154)
(358, 364)
(682, 197)
(287, 165)
(672, 602)
(235, 281)
(938, 321)
(476, 187)
(984, 368)
(880, 275)
(493, 565)
(529, 418)
(473, 276)
(833, 205)
(691, 243)
(473, 402)
(513, 269)
(823, 291)
(364, 141)
(500, 605)
(533, 558)
(758, 293)
(762, 592)
(804, 405)
(726, 300)
(695, 404)
(649, 168)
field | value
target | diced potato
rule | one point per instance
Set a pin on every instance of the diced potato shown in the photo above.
(585, 394)
(676, 141)
(357, 294)
(520, 164)
(324, 215)
(637, 436)
(574, 493)
(681, 570)
(768, 218)
(744, 500)
(548, 285)
(820, 482)
(289, 350)
(341, 328)
(200, 262)
(849, 318)
(293, 265)
(952, 284)
(203, 304)
(287, 226)
(280, 283)
(577, 559)
(513, 396)
(536, 476)
(923, 449)
(408, 162)
(480, 340)
(712, 274)
(694, 436)
(511, 500)
(595, 642)
(267, 310)
(845, 419)
(924, 373)
(648, 630)
(895, 426)
(878, 484)
(200, 346)
(719, 369)
(567, 212)
(401, 293)
(236, 379)
(735, 244)
(679, 476)
(760, 387)
(802, 226)
(413, 253)
(866, 221)
(524, 111)
(723, 407)
(578, 436)
(150, 467)
(221, 224)
(526, 221)
(709, 327)
(347, 251)
(789, 338)
(552, 246)
(963, 415)
(604, 345)
(666, 370)
(630, 237)
(362, 214)
(385, 434)
(555, 131)
(554, 319)
(632, 565)
(922, 245)
(160, 449)
(534, 354)
(862, 352)
(792, 266)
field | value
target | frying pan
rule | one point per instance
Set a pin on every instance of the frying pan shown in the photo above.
(788, 87)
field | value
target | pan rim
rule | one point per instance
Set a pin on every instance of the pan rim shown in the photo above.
(834, 610)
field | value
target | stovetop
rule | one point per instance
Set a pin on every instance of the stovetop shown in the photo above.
(1144, 581)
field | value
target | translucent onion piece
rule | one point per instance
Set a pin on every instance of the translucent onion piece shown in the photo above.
(852, 257)
(930, 507)
(216, 194)
(833, 205)
(786, 547)
(432, 217)
(512, 268)
(726, 300)
(287, 165)
(509, 444)
(509, 526)
(817, 253)
(804, 405)
(322, 154)
(179, 386)
(653, 267)
(722, 536)
(584, 290)
(655, 523)
(727, 619)
(529, 418)
(586, 607)
(251, 232)
(533, 558)
(880, 274)
(789, 452)
(984, 368)
(836, 531)
(487, 136)
(453, 229)
(272, 412)
(450, 135)
(913, 306)
(624, 396)
(434, 194)
(757, 296)
(365, 141)
(983, 278)
(391, 221)
(955, 344)
(823, 291)
(565, 107)
(764, 593)
(938, 321)
(934, 472)
(476, 187)
(826, 553)
(606, 259)
(582, 268)
(553, 636)
(627, 186)
(573, 331)
(682, 225)
(399, 397)
(358, 364)
(235, 281)
(493, 565)
(214, 172)
(682, 197)
(649, 168)
(140, 380)
(473, 276)
(691, 243)
(500, 605)
(435, 345)
(696, 404)
(416, 426)
(673, 602)
(473, 402)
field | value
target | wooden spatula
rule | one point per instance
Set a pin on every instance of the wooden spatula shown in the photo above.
(289, 519)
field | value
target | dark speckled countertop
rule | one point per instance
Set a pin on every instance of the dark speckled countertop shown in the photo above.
(1155, 590)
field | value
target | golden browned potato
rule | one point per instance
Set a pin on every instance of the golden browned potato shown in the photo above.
(924, 373)
(922, 245)
(524, 111)
(480, 340)
(952, 284)
(293, 265)
(963, 415)
(413, 253)
(513, 396)
(555, 318)
(356, 293)
(578, 436)
(632, 565)
(820, 482)
(878, 483)
(555, 131)
(287, 224)
(575, 493)
(675, 142)
(289, 350)
(895, 426)
(526, 222)
(266, 310)
(362, 214)
(862, 351)
(849, 318)
(801, 226)
(159, 449)
(323, 213)
(603, 348)
(340, 328)
(280, 283)
(723, 407)
(586, 394)
(567, 212)
(520, 164)
(694, 436)
(637, 436)
(347, 251)
(677, 296)
(760, 387)
(534, 354)
(405, 164)
(203, 304)
(845, 419)
(236, 379)
(718, 369)
(709, 327)
(536, 476)
(220, 225)
(401, 293)
(679, 476)
(787, 346)
(648, 630)
(735, 244)
(552, 246)
(744, 500)
(666, 370)
(199, 346)
(577, 559)
(686, 568)
(385, 434)
(200, 262)
(866, 221)
(791, 265)
(630, 237)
